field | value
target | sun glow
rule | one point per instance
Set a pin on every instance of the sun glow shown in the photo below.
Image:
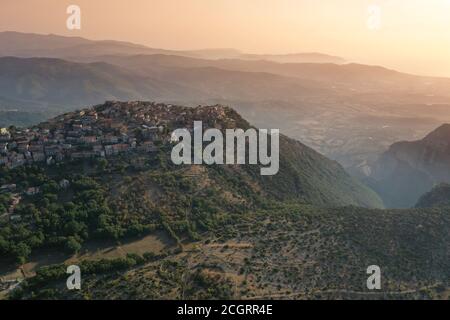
(408, 35)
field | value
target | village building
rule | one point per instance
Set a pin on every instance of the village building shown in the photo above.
(8, 188)
(32, 191)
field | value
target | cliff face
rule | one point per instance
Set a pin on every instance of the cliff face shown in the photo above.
(438, 197)
(409, 169)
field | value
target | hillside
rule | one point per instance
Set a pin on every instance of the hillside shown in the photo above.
(410, 169)
(111, 148)
(439, 196)
(43, 85)
(142, 228)
(282, 253)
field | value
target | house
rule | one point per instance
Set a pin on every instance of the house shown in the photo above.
(59, 136)
(109, 150)
(88, 139)
(22, 147)
(38, 156)
(28, 156)
(59, 156)
(6, 188)
(52, 150)
(3, 148)
(98, 149)
(73, 134)
(82, 155)
(89, 118)
(106, 123)
(72, 140)
(36, 148)
(66, 146)
(12, 145)
(147, 146)
(51, 141)
(109, 139)
(122, 147)
(100, 153)
(32, 191)
(17, 160)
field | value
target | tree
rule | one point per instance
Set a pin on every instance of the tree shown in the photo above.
(102, 164)
(21, 251)
(72, 245)
(4, 245)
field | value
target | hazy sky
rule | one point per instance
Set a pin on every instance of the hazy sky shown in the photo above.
(412, 35)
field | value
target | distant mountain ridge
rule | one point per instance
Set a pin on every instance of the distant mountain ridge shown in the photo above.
(55, 46)
(55, 85)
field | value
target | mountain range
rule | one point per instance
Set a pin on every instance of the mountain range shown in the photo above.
(28, 45)
(346, 111)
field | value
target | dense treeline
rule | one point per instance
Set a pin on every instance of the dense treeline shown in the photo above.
(59, 217)
(47, 275)
(5, 202)
(66, 217)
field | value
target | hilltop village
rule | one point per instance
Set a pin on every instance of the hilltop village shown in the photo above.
(102, 131)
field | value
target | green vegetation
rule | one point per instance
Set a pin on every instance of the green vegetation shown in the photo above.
(295, 251)
(232, 233)
(5, 202)
(60, 218)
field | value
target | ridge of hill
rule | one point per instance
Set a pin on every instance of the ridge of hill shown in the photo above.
(439, 196)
